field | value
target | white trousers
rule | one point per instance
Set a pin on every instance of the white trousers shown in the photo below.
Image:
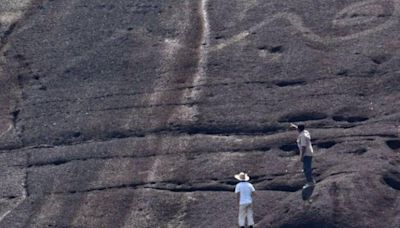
(246, 211)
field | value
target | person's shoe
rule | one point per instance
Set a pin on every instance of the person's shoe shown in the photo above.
(308, 184)
(250, 226)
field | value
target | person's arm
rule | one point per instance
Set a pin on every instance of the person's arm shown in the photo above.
(293, 126)
(237, 192)
(303, 148)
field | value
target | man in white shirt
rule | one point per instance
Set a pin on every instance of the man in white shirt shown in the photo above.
(306, 153)
(246, 190)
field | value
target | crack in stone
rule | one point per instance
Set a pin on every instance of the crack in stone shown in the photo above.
(25, 184)
(61, 161)
(166, 186)
(340, 173)
(128, 107)
(177, 133)
(177, 89)
(171, 131)
(176, 189)
(222, 185)
(169, 186)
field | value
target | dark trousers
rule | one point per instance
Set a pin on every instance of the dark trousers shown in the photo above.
(307, 162)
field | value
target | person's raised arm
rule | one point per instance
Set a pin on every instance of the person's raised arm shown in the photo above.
(293, 126)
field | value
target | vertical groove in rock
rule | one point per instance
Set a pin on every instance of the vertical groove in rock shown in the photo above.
(188, 114)
(201, 74)
(174, 57)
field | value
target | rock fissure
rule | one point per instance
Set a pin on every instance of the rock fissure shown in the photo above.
(177, 187)
(177, 132)
(62, 161)
(176, 89)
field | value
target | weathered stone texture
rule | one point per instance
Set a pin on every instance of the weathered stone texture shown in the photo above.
(132, 113)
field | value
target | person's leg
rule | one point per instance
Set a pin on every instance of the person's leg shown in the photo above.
(250, 220)
(308, 169)
(242, 215)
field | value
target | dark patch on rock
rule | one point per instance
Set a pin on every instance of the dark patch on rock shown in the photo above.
(392, 179)
(56, 162)
(264, 47)
(360, 151)
(303, 116)
(9, 30)
(20, 57)
(343, 72)
(276, 49)
(289, 147)
(42, 87)
(379, 59)
(203, 187)
(272, 49)
(326, 144)
(77, 134)
(121, 134)
(283, 187)
(310, 224)
(350, 119)
(290, 83)
(226, 129)
(15, 117)
(393, 144)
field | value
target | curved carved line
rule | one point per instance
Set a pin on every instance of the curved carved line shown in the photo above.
(24, 196)
(298, 23)
(8, 129)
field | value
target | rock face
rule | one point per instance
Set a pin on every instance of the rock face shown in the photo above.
(132, 113)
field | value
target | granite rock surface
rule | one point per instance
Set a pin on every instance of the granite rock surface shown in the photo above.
(132, 113)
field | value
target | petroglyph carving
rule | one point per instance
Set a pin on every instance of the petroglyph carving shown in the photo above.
(18, 201)
(360, 13)
(11, 11)
(2, 133)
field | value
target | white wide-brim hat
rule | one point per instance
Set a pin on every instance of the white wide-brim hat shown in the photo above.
(242, 176)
